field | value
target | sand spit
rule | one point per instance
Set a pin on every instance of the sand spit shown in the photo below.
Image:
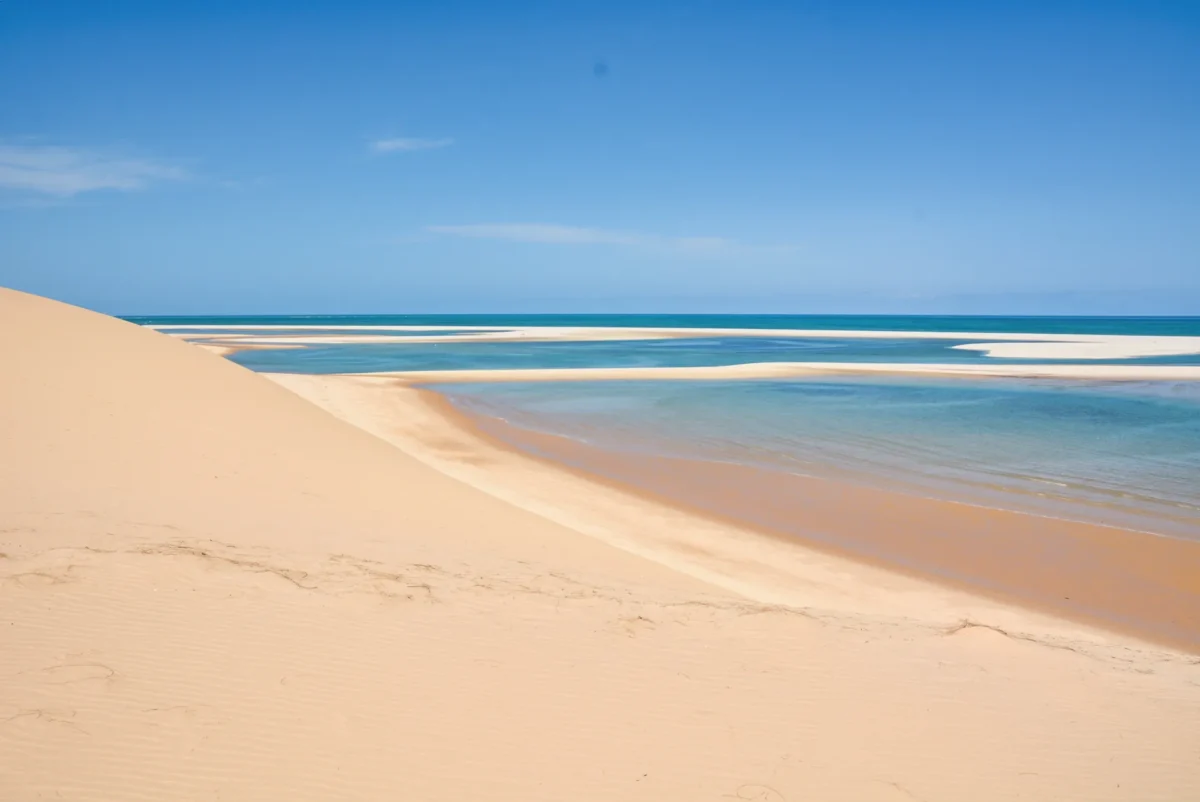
(785, 370)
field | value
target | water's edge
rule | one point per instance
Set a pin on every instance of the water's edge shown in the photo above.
(1124, 581)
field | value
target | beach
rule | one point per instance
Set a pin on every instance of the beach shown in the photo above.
(1131, 581)
(222, 584)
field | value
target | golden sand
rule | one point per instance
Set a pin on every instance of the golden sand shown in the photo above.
(212, 588)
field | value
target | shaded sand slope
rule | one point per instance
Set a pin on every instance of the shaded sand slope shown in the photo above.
(212, 589)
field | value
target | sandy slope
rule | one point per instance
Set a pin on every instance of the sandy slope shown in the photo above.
(211, 588)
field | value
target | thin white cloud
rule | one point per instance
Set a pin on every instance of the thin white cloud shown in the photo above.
(63, 171)
(540, 232)
(548, 233)
(402, 144)
(703, 244)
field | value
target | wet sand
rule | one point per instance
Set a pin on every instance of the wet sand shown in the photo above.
(1133, 582)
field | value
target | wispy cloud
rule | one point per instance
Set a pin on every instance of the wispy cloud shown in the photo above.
(539, 232)
(400, 144)
(64, 171)
(548, 233)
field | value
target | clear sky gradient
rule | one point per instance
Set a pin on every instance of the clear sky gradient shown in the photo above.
(954, 157)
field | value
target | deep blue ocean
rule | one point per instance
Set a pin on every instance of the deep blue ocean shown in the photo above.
(1123, 453)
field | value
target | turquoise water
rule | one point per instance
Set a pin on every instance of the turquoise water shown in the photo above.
(1126, 455)
(697, 351)
(596, 354)
(1122, 453)
(706, 351)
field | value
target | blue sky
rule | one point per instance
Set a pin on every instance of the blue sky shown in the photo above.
(219, 157)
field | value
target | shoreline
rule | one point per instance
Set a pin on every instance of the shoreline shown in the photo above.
(435, 425)
(1109, 595)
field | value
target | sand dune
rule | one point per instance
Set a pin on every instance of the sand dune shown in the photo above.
(212, 588)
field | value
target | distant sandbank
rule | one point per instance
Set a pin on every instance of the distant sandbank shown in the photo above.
(784, 370)
(1001, 344)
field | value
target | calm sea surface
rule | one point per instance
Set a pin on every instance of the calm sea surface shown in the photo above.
(1109, 452)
